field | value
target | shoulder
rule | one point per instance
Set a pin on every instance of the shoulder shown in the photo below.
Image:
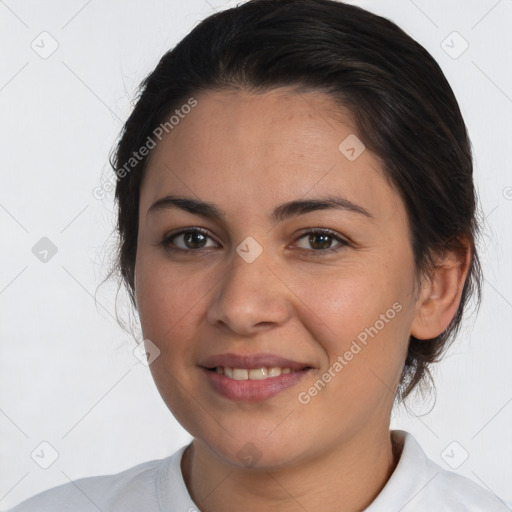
(137, 488)
(418, 484)
(456, 492)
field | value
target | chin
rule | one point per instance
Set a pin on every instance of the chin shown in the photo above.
(247, 449)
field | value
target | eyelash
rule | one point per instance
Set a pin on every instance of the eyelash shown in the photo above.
(315, 253)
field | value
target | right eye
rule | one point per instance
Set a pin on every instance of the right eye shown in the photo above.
(190, 239)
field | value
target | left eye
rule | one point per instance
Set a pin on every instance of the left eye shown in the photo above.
(321, 241)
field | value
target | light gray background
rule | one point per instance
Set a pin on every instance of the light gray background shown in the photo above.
(68, 374)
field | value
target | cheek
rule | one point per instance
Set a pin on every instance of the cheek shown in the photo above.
(170, 300)
(362, 316)
(363, 334)
(168, 303)
(345, 302)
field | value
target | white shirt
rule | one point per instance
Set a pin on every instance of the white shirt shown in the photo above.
(417, 484)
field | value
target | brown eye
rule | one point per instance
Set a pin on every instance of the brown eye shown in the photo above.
(322, 241)
(194, 239)
(188, 240)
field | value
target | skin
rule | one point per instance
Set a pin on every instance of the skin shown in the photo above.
(247, 154)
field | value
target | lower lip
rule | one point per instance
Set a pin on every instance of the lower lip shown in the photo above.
(252, 390)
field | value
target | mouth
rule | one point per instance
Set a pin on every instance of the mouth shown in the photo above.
(252, 377)
(262, 373)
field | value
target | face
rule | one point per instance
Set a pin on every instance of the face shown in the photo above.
(323, 286)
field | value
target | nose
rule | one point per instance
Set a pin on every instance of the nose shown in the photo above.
(250, 298)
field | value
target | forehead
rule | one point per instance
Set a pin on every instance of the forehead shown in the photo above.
(249, 151)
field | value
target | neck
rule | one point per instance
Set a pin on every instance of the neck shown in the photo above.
(346, 478)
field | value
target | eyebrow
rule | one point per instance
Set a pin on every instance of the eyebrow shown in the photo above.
(280, 213)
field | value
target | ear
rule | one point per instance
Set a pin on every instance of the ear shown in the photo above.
(440, 294)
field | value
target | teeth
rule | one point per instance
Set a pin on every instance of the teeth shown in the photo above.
(240, 374)
(253, 373)
(274, 372)
(258, 373)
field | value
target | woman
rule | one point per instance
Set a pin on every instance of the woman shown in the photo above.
(297, 233)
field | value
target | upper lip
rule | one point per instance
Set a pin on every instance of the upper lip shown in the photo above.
(230, 360)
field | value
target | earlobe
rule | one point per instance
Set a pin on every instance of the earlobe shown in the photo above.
(440, 295)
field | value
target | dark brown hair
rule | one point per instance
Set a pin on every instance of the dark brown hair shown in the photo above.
(403, 106)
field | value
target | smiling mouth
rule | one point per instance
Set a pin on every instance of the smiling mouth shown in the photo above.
(263, 373)
(254, 384)
(252, 377)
